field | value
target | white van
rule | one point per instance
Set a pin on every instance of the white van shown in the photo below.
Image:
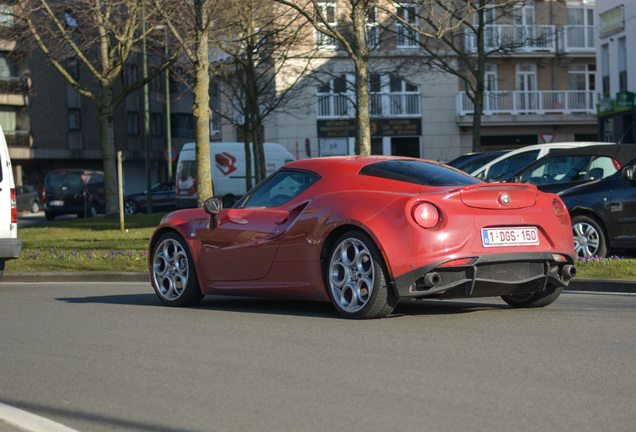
(10, 245)
(228, 170)
(514, 160)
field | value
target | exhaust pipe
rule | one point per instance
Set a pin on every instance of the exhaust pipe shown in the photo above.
(432, 279)
(568, 271)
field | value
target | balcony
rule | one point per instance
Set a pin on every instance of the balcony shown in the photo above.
(531, 102)
(577, 39)
(386, 105)
(539, 38)
(517, 38)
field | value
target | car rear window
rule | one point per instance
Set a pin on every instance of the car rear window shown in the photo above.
(418, 172)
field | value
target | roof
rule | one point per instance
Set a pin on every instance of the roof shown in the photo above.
(623, 153)
(340, 164)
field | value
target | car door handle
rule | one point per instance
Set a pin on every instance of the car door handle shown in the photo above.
(280, 220)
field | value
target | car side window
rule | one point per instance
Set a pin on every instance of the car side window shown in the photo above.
(512, 163)
(602, 167)
(281, 188)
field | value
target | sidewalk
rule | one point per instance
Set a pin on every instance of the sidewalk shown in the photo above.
(576, 284)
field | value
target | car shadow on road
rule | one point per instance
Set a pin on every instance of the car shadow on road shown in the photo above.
(271, 306)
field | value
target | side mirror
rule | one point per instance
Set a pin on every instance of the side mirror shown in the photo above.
(213, 207)
(628, 174)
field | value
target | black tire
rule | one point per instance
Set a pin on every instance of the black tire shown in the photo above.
(589, 237)
(131, 207)
(2, 268)
(49, 216)
(172, 272)
(35, 207)
(356, 278)
(534, 300)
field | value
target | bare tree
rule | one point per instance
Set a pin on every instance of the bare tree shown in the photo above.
(457, 36)
(189, 23)
(100, 36)
(258, 42)
(350, 34)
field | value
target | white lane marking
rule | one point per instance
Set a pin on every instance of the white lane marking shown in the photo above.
(24, 420)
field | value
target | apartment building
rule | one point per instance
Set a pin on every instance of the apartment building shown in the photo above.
(616, 80)
(545, 89)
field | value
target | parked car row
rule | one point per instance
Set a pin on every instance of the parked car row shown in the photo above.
(595, 181)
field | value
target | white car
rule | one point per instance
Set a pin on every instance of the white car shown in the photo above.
(10, 245)
(516, 159)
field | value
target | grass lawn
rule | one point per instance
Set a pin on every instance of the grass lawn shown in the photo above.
(98, 244)
(93, 244)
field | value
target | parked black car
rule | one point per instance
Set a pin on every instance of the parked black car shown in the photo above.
(163, 198)
(27, 198)
(73, 191)
(600, 199)
(603, 213)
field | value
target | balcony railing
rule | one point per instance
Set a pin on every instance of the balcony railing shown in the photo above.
(13, 85)
(17, 138)
(396, 104)
(531, 102)
(534, 38)
(516, 38)
(577, 38)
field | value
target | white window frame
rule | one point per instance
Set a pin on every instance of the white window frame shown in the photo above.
(406, 37)
(323, 41)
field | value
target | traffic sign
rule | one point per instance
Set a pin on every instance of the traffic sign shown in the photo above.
(173, 155)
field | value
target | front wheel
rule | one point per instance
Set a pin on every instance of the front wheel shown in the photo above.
(357, 278)
(35, 207)
(172, 272)
(533, 300)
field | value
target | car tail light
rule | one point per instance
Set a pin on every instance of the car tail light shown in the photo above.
(14, 209)
(560, 211)
(425, 214)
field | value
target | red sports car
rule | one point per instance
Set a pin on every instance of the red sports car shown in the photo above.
(364, 232)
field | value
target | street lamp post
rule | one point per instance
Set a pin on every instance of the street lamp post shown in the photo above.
(144, 54)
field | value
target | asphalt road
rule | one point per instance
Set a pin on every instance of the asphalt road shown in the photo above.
(108, 356)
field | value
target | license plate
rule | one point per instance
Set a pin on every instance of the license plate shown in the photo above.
(521, 236)
(56, 203)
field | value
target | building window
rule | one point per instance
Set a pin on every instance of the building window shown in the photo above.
(328, 11)
(6, 15)
(130, 74)
(74, 119)
(373, 36)
(582, 86)
(622, 65)
(133, 123)
(156, 124)
(7, 66)
(605, 70)
(406, 36)
(72, 67)
(182, 125)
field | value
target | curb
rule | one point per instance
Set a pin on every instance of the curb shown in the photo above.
(595, 285)
(77, 277)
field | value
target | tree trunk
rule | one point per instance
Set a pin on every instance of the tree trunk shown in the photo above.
(108, 151)
(360, 56)
(201, 111)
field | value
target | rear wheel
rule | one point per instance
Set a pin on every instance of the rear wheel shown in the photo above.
(539, 299)
(49, 216)
(35, 207)
(357, 278)
(172, 272)
(589, 237)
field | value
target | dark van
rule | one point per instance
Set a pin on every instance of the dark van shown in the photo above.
(73, 191)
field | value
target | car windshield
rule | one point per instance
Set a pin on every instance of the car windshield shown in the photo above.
(418, 172)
